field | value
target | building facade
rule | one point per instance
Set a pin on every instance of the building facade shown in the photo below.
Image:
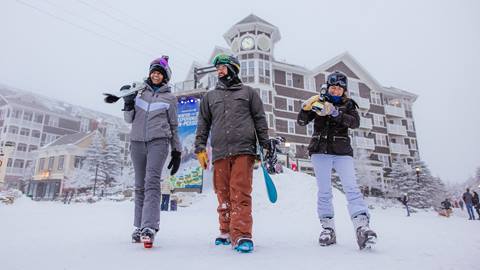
(29, 122)
(387, 131)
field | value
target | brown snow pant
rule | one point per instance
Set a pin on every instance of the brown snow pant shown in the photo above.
(232, 180)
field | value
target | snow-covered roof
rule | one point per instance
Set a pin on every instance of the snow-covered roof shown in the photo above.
(70, 139)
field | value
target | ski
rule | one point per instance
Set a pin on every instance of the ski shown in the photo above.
(114, 97)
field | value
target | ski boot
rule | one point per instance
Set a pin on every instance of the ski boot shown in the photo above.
(136, 235)
(366, 237)
(244, 245)
(147, 237)
(327, 236)
(223, 239)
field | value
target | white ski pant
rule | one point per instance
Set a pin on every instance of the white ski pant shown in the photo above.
(343, 165)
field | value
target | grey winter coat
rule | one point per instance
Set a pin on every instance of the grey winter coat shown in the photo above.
(154, 116)
(233, 116)
(468, 198)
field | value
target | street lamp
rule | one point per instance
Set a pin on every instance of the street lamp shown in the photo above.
(417, 170)
(287, 145)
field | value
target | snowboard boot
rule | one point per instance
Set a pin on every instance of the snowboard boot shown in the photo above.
(223, 239)
(244, 245)
(327, 236)
(147, 237)
(136, 235)
(366, 237)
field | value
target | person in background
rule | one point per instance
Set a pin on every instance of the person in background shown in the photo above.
(468, 199)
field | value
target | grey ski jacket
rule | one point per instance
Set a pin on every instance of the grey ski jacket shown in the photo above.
(235, 117)
(154, 116)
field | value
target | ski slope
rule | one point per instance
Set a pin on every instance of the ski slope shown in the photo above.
(50, 235)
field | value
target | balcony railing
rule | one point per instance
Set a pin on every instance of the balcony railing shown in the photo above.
(364, 143)
(398, 148)
(394, 111)
(396, 129)
(365, 123)
(363, 103)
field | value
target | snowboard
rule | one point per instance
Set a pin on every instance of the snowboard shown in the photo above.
(271, 189)
(115, 96)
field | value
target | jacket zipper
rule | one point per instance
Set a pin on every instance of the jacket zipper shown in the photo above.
(146, 119)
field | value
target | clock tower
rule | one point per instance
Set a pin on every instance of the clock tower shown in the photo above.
(252, 40)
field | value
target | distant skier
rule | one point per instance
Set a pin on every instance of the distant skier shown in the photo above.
(333, 114)
(476, 203)
(447, 207)
(404, 200)
(166, 192)
(233, 114)
(153, 114)
(468, 199)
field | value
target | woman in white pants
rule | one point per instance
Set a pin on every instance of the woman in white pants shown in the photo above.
(333, 114)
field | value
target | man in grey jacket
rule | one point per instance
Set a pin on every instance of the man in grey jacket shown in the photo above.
(153, 114)
(234, 116)
(468, 199)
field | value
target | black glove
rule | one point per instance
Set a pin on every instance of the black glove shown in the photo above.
(176, 158)
(129, 100)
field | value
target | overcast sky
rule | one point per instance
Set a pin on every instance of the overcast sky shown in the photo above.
(74, 50)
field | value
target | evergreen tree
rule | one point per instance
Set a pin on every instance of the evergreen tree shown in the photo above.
(113, 157)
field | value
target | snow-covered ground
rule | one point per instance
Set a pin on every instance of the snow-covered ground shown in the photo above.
(49, 235)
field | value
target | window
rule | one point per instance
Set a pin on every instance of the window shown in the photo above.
(408, 106)
(271, 121)
(13, 129)
(28, 164)
(264, 96)
(310, 129)
(36, 133)
(9, 162)
(78, 162)
(289, 79)
(290, 106)
(41, 164)
(52, 121)
(353, 87)
(50, 162)
(243, 68)
(38, 118)
(16, 113)
(378, 120)
(413, 144)
(25, 132)
(309, 83)
(381, 140)
(60, 163)
(18, 163)
(32, 148)
(410, 125)
(291, 126)
(264, 71)
(251, 68)
(22, 147)
(28, 116)
(385, 159)
(376, 98)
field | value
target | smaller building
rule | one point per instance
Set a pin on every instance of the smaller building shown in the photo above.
(55, 164)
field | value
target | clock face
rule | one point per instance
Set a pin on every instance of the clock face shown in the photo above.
(248, 43)
(263, 43)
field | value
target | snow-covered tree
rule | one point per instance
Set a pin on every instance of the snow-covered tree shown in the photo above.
(81, 178)
(113, 157)
(365, 175)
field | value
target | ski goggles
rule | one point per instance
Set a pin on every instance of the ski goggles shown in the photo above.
(224, 59)
(337, 80)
